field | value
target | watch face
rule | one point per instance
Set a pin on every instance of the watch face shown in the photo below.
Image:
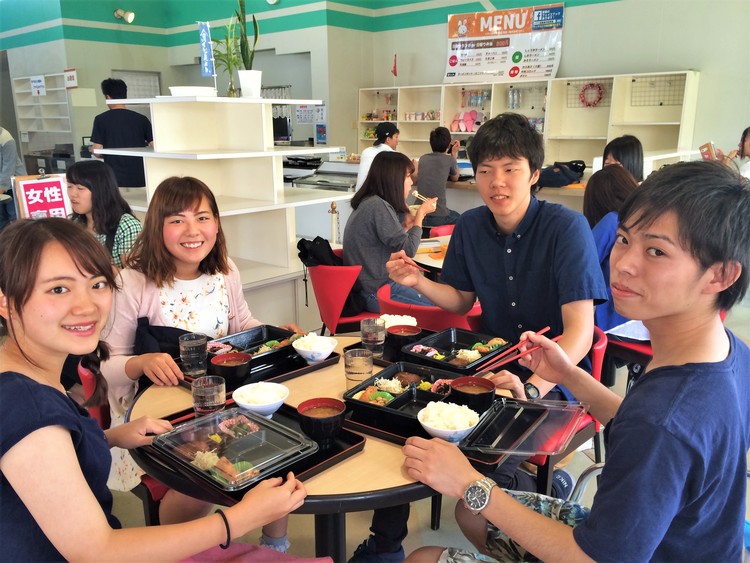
(476, 497)
(531, 391)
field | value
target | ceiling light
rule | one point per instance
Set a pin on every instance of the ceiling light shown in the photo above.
(121, 14)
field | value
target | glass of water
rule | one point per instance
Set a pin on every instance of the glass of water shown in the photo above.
(209, 394)
(193, 354)
(373, 335)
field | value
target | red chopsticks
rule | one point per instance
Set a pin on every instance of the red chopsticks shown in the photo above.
(504, 357)
(413, 263)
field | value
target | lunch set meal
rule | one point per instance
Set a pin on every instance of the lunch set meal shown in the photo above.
(463, 356)
(384, 390)
(216, 347)
(206, 448)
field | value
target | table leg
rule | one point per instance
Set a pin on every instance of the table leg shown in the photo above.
(330, 536)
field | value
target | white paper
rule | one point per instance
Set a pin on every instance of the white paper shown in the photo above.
(635, 330)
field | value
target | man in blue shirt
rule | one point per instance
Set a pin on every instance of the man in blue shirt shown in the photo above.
(530, 263)
(673, 487)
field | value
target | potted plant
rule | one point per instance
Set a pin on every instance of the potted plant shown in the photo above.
(250, 80)
(227, 54)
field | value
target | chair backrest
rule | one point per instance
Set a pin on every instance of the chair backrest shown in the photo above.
(442, 230)
(431, 318)
(88, 382)
(598, 347)
(331, 285)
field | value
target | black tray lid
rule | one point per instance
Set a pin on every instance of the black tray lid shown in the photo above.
(448, 342)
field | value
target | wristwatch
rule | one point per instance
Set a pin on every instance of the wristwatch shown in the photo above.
(477, 495)
(531, 390)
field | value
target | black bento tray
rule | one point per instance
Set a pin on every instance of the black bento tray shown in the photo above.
(253, 338)
(509, 427)
(276, 369)
(447, 342)
(162, 468)
(390, 354)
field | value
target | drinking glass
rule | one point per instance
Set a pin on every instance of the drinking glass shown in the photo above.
(357, 366)
(373, 335)
(209, 394)
(193, 354)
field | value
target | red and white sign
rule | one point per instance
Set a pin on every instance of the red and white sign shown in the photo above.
(42, 197)
(517, 44)
(71, 78)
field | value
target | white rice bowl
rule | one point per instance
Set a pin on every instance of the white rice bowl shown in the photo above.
(397, 320)
(448, 421)
(263, 398)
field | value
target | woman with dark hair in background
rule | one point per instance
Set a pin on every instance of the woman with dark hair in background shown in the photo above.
(739, 158)
(374, 231)
(605, 193)
(99, 206)
(626, 151)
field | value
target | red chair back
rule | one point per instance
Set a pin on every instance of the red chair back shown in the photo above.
(431, 318)
(331, 285)
(99, 413)
(441, 230)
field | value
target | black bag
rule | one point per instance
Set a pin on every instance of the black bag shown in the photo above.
(561, 174)
(151, 339)
(318, 252)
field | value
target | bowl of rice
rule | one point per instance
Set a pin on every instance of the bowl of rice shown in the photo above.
(448, 421)
(395, 320)
(263, 398)
(313, 348)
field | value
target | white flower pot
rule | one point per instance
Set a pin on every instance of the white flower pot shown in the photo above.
(250, 81)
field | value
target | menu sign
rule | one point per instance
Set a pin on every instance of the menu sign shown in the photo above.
(42, 197)
(504, 45)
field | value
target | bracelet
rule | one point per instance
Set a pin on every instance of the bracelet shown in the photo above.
(220, 512)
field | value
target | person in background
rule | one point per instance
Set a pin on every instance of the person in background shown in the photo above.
(373, 231)
(435, 169)
(99, 206)
(56, 286)
(627, 151)
(739, 158)
(119, 127)
(530, 263)
(10, 165)
(386, 139)
(605, 193)
(675, 475)
(178, 274)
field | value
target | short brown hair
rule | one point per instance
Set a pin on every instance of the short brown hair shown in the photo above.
(606, 191)
(150, 256)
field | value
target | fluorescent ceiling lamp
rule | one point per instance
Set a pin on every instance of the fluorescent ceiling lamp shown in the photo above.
(121, 14)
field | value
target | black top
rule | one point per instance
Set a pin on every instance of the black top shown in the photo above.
(123, 128)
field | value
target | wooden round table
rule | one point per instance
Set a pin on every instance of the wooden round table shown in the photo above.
(372, 478)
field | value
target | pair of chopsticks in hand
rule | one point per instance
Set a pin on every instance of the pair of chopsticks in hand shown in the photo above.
(408, 260)
(504, 357)
(419, 196)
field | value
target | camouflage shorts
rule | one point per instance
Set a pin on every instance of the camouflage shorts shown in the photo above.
(503, 548)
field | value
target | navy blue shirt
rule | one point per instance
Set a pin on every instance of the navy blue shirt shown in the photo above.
(26, 406)
(523, 279)
(673, 487)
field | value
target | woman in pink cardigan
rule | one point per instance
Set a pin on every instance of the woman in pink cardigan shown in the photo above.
(178, 274)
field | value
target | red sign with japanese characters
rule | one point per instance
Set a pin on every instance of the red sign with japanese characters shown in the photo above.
(42, 197)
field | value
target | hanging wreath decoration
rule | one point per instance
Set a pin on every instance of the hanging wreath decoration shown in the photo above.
(591, 101)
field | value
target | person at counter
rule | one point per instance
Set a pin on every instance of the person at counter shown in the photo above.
(178, 274)
(386, 139)
(435, 169)
(373, 231)
(673, 486)
(56, 286)
(530, 263)
(119, 127)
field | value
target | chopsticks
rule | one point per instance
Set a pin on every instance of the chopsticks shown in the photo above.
(505, 358)
(413, 263)
(419, 196)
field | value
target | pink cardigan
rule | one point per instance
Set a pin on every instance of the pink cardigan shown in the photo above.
(140, 298)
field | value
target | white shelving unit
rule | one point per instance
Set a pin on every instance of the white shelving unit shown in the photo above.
(44, 118)
(658, 108)
(228, 144)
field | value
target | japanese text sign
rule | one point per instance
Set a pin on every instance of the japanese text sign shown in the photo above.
(42, 197)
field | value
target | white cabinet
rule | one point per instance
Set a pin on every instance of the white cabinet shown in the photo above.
(228, 144)
(43, 114)
(577, 116)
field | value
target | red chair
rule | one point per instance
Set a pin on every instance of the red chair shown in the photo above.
(332, 285)
(429, 317)
(588, 427)
(441, 230)
(149, 490)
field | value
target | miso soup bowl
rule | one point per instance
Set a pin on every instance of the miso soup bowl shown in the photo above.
(477, 393)
(322, 429)
(232, 366)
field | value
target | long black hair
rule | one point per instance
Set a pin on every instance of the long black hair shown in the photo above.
(386, 180)
(107, 204)
(628, 151)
